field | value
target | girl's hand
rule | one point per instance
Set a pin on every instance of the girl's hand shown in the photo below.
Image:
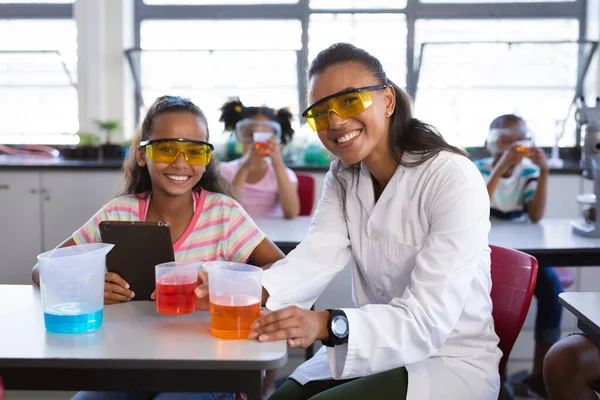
(298, 326)
(116, 290)
(274, 150)
(252, 158)
(201, 292)
(539, 158)
(510, 158)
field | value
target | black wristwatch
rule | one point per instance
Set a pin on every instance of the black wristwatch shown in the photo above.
(338, 328)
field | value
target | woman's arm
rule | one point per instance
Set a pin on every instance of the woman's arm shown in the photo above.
(301, 277)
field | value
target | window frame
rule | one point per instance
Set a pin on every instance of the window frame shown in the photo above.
(413, 11)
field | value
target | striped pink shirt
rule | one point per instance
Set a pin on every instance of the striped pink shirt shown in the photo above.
(219, 230)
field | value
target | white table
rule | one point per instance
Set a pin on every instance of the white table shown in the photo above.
(551, 241)
(586, 307)
(136, 349)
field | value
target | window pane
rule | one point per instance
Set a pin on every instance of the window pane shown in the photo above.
(37, 95)
(382, 35)
(463, 86)
(495, 1)
(221, 35)
(217, 2)
(37, 1)
(218, 68)
(357, 4)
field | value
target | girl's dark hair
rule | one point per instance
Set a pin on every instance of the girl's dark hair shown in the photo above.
(137, 179)
(499, 122)
(408, 135)
(234, 111)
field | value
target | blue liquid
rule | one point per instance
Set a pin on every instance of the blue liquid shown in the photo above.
(73, 317)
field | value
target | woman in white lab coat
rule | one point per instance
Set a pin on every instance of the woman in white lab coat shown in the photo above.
(410, 214)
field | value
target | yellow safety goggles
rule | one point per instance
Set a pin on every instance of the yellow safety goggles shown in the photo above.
(345, 104)
(166, 151)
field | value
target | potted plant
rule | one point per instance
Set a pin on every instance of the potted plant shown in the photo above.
(88, 148)
(110, 150)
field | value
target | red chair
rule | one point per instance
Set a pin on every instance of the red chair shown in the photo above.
(1, 390)
(306, 193)
(513, 281)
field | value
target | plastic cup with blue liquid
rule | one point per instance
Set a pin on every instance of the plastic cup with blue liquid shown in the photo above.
(72, 287)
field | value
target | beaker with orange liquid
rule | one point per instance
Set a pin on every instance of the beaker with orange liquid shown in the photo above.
(524, 146)
(234, 291)
(261, 142)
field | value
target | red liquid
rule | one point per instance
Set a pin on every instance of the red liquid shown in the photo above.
(175, 299)
(231, 316)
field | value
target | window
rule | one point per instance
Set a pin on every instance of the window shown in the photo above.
(357, 4)
(235, 58)
(494, 1)
(38, 62)
(383, 35)
(216, 2)
(463, 86)
(37, 1)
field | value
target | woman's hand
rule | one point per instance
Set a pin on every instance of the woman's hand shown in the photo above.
(116, 290)
(298, 326)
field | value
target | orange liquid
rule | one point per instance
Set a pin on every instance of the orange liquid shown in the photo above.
(231, 316)
(175, 299)
(262, 147)
(523, 149)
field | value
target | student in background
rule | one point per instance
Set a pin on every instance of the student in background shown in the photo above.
(572, 369)
(260, 179)
(517, 177)
(170, 177)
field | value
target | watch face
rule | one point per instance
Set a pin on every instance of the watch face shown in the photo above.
(339, 326)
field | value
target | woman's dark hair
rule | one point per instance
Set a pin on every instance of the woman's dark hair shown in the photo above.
(407, 134)
(137, 179)
(234, 111)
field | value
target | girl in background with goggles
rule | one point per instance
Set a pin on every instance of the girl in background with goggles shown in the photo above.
(410, 214)
(260, 179)
(171, 177)
(516, 175)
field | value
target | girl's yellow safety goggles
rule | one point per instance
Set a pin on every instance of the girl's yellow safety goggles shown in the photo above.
(345, 104)
(166, 151)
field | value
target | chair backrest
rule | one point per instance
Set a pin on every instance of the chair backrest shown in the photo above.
(513, 281)
(306, 193)
(1, 390)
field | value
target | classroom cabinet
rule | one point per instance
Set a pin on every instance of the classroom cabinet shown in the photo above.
(40, 209)
(20, 216)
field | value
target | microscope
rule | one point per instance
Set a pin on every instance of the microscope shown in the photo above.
(588, 121)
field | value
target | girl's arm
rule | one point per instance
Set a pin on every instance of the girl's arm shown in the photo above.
(288, 191)
(536, 206)
(35, 272)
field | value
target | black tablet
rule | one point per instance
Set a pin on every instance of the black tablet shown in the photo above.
(139, 247)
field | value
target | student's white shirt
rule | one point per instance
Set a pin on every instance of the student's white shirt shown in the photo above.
(421, 280)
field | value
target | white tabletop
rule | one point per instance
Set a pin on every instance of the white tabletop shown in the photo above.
(133, 335)
(548, 235)
(585, 306)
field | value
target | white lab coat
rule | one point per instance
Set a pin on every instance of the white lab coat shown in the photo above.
(421, 280)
